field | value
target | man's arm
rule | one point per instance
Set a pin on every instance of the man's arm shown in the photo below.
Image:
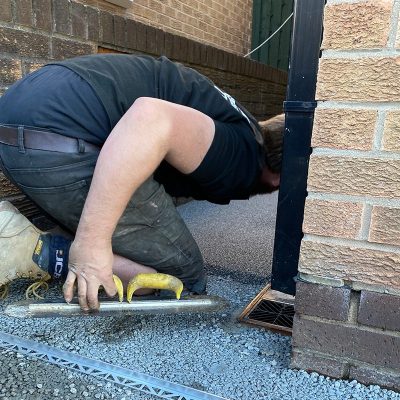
(150, 131)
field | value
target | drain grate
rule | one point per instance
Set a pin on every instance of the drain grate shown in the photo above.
(272, 310)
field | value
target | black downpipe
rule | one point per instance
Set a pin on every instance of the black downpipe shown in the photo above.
(299, 108)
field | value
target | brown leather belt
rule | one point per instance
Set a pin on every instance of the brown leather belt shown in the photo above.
(43, 140)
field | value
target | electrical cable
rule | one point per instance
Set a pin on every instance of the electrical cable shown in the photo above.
(270, 37)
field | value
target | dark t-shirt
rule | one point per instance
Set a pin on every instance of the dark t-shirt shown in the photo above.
(119, 79)
(235, 159)
(229, 169)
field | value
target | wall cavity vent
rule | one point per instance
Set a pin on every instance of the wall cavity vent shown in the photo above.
(272, 310)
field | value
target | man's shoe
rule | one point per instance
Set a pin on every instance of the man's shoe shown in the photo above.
(18, 239)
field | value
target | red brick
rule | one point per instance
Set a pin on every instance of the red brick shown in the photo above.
(68, 48)
(62, 23)
(141, 30)
(27, 43)
(184, 48)
(78, 20)
(120, 31)
(176, 52)
(5, 11)
(203, 54)
(151, 45)
(160, 42)
(322, 364)
(23, 12)
(131, 31)
(252, 68)
(29, 66)
(233, 63)
(222, 60)
(379, 310)
(371, 376)
(322, 301)
(194, 52)
(148, 15)
(350, 341)
(244, 65)
(107, 27)
(10, 71)
(93, 19)
(42, 14)
(212, 55)
(169, 43)
(198, 50)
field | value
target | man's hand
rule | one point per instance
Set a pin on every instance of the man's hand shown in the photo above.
(91, 266)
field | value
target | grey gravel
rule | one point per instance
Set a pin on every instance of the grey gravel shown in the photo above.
(20, 381)
(209, 352)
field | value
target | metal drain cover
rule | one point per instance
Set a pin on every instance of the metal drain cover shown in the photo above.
(270, 309)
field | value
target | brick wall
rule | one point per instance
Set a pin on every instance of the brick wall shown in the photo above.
(225, 24)
(33, 32)
(347, 307)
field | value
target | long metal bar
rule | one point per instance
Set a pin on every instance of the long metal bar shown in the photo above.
(299, 108)
(197, 304)
(99, 369)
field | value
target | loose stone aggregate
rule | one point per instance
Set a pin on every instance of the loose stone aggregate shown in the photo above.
(209, 352)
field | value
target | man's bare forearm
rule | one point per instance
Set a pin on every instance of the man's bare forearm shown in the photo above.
(130, 155)
(151, 130)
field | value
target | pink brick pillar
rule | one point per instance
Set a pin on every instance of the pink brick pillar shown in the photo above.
(348, 303)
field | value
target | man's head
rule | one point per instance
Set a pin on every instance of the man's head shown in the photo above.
(272, 130)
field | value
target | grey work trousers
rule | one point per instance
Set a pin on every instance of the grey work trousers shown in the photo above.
(150, 231)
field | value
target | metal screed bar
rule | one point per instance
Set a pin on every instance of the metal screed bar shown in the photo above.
(99, 369)
(56, 308)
